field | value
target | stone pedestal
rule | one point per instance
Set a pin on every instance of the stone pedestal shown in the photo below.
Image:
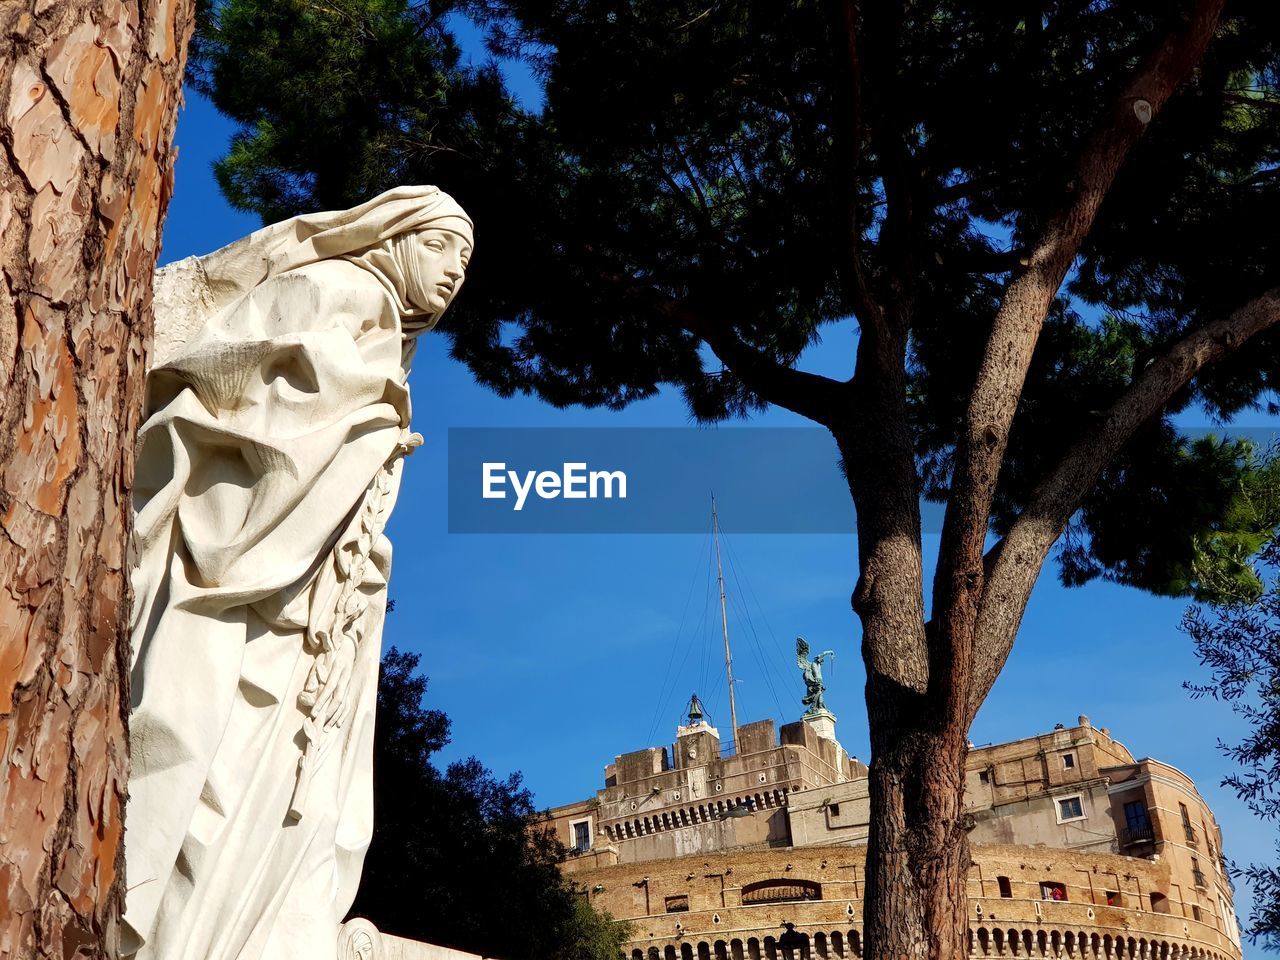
(358, 939)
(690, 729)
(823, 723)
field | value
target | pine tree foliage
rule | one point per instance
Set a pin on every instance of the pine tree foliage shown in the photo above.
(1239, 643)
(1043, 231)
(687, 180)
(458, 856)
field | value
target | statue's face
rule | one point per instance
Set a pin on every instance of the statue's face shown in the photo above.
(442, 263)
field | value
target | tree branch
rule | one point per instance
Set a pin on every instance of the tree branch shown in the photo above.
(1016, 328)
(874, 436)
(693, 178)
(1263, 100)
(904, 193)
(808, 394)
(811, 395)
(1014, 563)
(699, 210)
(983, 261)
(847, 157)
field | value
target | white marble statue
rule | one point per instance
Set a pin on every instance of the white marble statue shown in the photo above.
(277, 419)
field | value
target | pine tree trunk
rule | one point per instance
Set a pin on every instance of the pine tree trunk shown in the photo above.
(918, 850)
(90, 92)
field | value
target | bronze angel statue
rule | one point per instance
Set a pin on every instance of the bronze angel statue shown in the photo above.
(812, 670)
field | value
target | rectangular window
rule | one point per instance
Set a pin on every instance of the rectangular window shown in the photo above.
(1135, 815)
(834, 808)
(984, 776)
(1114, 899)
(1052, 890)
(1068, 761)
(677, 904)
(1070, 808)
(1006, 888)
(582, 835)
(1137, 825)
(1195, 912)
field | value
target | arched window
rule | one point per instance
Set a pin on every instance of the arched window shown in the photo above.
(781, 891)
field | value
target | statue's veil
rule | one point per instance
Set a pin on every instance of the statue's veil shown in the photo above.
(190, 291)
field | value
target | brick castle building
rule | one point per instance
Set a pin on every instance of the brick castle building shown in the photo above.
(1079, 849)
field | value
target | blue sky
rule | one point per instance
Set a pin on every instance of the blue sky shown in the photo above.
(554, 653)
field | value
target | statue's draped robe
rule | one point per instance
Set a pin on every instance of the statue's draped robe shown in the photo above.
(268, 462)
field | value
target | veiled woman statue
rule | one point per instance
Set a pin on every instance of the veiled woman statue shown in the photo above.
(276, 422)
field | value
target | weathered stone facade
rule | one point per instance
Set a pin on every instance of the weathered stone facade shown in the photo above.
(1078, 848)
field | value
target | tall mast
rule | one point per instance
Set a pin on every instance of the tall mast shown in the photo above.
(724, 620)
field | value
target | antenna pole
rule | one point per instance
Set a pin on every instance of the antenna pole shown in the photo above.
(724, 620)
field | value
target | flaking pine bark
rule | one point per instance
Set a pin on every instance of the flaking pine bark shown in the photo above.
(90, 94)
(876, 123)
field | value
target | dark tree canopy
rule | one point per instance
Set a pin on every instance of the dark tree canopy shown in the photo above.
(686, 183)
(1240, 645)
(457, 857)
(1050, 224)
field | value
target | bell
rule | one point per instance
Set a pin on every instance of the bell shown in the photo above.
(695, 710)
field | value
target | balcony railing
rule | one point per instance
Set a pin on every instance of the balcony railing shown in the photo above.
(1198, 875)
(1190, 831)
(1224, 868)
(1136, 833)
